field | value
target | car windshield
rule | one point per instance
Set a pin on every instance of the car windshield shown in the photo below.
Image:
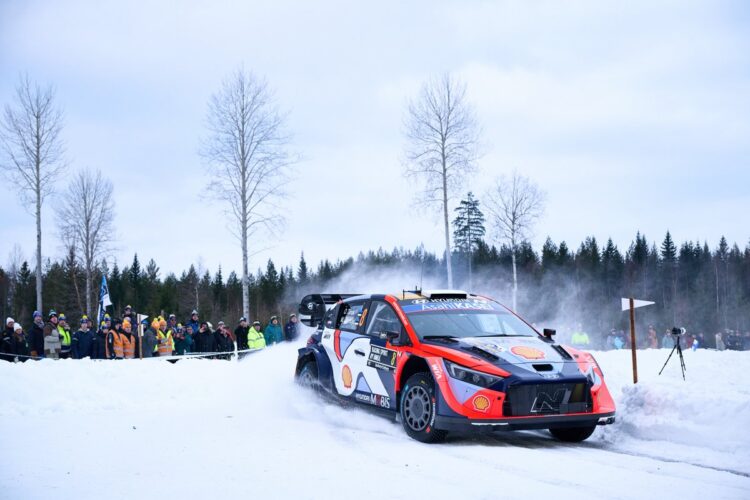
(465, 322)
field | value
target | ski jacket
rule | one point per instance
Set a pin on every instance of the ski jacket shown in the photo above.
(36, 340)
(255, 339)
(82, 344)
(273, 334)
(290, 331)
(205, 342)
(240, 333)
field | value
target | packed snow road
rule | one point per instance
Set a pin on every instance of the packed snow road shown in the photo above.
(199, 428)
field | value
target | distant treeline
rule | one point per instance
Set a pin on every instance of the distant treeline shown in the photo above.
(694, 285)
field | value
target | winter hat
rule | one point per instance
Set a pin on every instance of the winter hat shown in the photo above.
(172, 316)
(256, 323)
(126, 324)
(37, 314)
(84, 319)
(221, 323)
(61, 317)
(9, 320)
(273, 318)
(155, 324)
(292, 315)
(243, 319)
(162, 322)
(194, 313)
(52, 312)
(103, 325)
(17, 326)
(128, 307)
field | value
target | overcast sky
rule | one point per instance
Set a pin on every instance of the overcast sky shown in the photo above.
(630, 115)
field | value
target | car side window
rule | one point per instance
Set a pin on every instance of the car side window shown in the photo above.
(382, 319)
(351, 315)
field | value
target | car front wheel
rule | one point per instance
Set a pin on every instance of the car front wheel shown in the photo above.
(418, 409)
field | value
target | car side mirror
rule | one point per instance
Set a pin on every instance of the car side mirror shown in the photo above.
(548, 333)
(392, 337)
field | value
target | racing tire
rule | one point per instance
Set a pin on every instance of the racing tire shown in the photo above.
(308, 376)
(572, 434)
(418, 409)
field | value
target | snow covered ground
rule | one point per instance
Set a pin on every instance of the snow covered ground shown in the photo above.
(198, 428)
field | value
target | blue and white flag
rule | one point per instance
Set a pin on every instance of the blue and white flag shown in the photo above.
(104, 300)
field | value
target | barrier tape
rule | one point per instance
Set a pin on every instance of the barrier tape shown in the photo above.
(170, 357)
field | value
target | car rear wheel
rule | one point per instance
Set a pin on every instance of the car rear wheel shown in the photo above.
(418, 409)
(573, 434)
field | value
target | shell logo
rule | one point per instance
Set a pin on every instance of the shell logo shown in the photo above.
(346, 374)
(481, 403)
(527, 352)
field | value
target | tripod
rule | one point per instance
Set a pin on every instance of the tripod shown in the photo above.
(679, 351)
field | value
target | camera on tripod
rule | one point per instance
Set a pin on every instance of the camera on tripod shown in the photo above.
(676, 333)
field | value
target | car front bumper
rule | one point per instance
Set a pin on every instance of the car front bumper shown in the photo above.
(522, 423)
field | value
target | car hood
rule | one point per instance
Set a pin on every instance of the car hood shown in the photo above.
(505, 352)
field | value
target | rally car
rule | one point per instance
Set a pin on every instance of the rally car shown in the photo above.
(449, 360)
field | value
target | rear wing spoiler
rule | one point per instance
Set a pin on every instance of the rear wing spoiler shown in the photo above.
(313, 307)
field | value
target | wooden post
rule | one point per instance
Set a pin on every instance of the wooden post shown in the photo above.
(632, 341)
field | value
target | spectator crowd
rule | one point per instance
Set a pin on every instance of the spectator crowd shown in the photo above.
(619, 339)
(119, 337)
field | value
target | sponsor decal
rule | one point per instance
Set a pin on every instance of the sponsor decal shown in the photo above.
(418, 305)
(382, 358)
(436, 370)
(346, 375)
(373, 399)
(481, 403)
(527, 352)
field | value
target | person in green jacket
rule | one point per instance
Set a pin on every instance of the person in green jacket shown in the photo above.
(579, 338)
(273, 332)
(255, 339)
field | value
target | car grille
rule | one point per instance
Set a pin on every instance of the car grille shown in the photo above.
(526, 400)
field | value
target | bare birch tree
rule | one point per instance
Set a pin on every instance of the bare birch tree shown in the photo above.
(248, 158)
(513, 205)
(33, 153)
(86, 222)
(442, 146)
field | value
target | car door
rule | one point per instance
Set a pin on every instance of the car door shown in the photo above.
(378, 383)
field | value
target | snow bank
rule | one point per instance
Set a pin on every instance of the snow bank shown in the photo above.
(204, 428)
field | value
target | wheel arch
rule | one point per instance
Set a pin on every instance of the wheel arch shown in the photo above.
(414, 364)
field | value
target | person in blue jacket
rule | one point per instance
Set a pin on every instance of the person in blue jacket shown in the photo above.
(82, 341)
(273, 333)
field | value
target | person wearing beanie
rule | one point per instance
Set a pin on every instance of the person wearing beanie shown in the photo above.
(240, 333)
(82, 342)
(291, 329)
(101, 348)
(128, 340)
(16, 347)
(149, 339)
(164, 340)
(255, 339)
(36, 336)
(194, 323)
(63, 331)
(273, 333)
(204, 339)
(6, 337)
(129, 314)
(181, 341)
(224, 340)
(52, 344)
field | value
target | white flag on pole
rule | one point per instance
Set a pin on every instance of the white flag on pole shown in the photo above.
(636, 303)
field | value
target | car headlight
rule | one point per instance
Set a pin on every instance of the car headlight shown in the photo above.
(470, 376)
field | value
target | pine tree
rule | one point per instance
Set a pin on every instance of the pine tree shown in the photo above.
(302, 273)
(468, 228)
